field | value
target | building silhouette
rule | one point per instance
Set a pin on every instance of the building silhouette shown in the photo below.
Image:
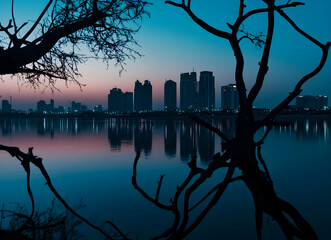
(230, 97)
(170, 95)
(119, 101)
(41, 106)
(312, 102)
(188, 91)
(207, 91)
(6, 106)
(143, 96)
(76, 106)
(128, 102)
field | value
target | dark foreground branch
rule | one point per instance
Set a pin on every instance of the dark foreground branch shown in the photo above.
(25, 159)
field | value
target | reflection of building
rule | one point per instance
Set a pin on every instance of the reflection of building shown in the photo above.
(206, 143)
(230, 97)
(170, 95)
(188, 91)
(187, 140)
(120, 132)
(207, 90)
(119, 101)
(6, 106)
(143, 96)
(170, 138)
(312, 102)
(143, 136)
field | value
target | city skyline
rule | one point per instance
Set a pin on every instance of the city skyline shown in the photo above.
(184, 46)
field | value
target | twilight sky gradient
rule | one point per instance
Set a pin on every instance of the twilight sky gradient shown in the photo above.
(172, 44)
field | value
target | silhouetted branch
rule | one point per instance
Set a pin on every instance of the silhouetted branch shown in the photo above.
(213, 190)
(297, 90)
(136, 186)
(263, 69)
(159, 187)
(210, 127)
(201, 23)
(28, 33)
(23, 157)
(117, 229)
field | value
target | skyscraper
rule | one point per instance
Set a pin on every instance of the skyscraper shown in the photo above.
(147, 94)
(207, 90)
(143, 96)
(41, 106)
(6, 106)
(119, 101)
(188, 91)
(128, 102)
(230, 97)
(138, 96)
(170, 95)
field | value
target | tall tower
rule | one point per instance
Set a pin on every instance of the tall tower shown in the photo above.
(230, 97)
(207, 90)
(138, 96)
(147, 96)
(188, 91)
(170, 95)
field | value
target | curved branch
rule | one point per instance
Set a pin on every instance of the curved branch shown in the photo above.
(210, 127)
(139, 189)
(201, 23)
(23, 157)
(297, 90)
(37, 21)
(265, 57)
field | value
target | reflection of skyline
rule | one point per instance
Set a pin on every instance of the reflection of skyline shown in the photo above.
(120, 132)
(206, 143)
(140, 134)
(170, 138)
(143, 136)
(188, 141)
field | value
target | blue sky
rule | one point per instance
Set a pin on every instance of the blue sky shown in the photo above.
(172, 43)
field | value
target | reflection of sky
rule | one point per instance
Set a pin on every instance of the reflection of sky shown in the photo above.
(172, 44)
(83, 164)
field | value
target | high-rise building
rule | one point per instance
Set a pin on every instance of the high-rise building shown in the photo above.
(170, 95)
(115, 100)
(148, 96)
(76, 106)
(207, 90)
(143, 96)
(41, 106)
(119, 101)
(312, 102)
(51, 105)
(188, 91)
(128, 102)
(230, 97)
(138, 96)
(6, 106)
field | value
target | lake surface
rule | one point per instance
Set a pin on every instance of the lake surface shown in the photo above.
(92, 160)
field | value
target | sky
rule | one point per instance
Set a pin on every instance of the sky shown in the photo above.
(171, 44)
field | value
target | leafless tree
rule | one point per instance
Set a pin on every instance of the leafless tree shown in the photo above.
(49, 49)
(242, 151)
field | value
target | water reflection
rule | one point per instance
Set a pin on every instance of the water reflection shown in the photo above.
(120, 131)
(192, 139)
(188, 140)
(170, 138)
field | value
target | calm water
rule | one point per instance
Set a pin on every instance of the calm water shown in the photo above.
(92, 160)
